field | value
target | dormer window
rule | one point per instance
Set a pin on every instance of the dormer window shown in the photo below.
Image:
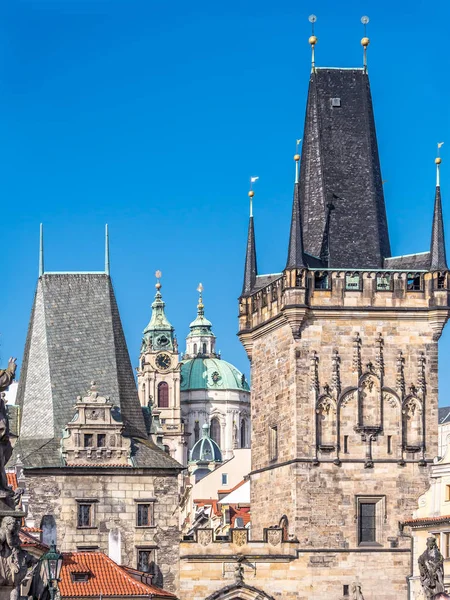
(80, 577)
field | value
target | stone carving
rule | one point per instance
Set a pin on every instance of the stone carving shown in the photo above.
(356, 591)
(380, 357)
(239, 570)
(274, 536)
(421, 372)
(357, 355)
(204, 536)
(370, 401)
(15, 563)
(431, 567)
(315, 372)
(401, 373)
(239, 537)
(390, 399)
(7, 375)
(336, 375)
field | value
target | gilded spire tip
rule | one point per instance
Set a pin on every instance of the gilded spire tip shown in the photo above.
(438, 161)
(365, 40)
(312, 40)
(252, 193)
(297, 159)
(158, 276)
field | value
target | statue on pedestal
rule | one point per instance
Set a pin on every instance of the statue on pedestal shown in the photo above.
(15, 563)
(431, 567)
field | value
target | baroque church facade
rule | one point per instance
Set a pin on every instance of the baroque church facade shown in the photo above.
(200, 389)
(343, 345)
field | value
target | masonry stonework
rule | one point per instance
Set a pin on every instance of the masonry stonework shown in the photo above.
(115, 497)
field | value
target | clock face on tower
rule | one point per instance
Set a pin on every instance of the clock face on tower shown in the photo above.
(163, 361)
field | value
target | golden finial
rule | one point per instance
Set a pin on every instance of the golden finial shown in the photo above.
(438, 161)
(158, 276)
(200, 297)
(252, 193)
(365, 40)
(312, 40)
(297, 159)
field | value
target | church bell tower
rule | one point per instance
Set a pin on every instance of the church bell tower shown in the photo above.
(158, 376)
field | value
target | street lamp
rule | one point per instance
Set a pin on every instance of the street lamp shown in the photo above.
(51, 563)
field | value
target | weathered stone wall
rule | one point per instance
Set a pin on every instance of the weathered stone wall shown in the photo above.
(284, 571)
(56, 491)
(284, 394)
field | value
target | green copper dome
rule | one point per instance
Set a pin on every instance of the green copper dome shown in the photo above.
(206, 449)
(211, 374)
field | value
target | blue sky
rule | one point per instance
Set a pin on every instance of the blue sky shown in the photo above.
(152, 115)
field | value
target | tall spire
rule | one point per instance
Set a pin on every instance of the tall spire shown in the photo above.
(365, 41)
(159, 333)
(250, 270)
(106, 250)
(438, 259)
(201, 339)
(41, 250)
(296, 259)
(312, 41)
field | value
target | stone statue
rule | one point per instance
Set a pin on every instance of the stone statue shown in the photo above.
(356, 591)
(431, 567)
(15, 563)
(7, 375)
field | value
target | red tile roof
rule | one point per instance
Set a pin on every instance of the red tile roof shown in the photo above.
(426, 520)
(12, 479)
(32, 529)
(106, 578)
(29, 541)
(239, 511)
(238, 485)
(213, 503)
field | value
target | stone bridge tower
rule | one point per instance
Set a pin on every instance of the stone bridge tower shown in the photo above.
(343, 345)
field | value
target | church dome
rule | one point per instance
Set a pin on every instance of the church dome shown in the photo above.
(206, 449)
(211, 374)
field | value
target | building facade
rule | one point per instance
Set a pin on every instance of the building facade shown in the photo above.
(343, 346)
(201, 389)
(94, 479)
(158, 377)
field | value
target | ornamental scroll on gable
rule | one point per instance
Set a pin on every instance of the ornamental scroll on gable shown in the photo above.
(94, 436)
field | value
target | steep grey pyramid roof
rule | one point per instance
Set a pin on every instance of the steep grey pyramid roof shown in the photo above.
(75, 336)
(340, 158)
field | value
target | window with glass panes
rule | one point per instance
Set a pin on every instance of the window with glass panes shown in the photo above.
(144, 515)
(367, 522)
(146, 560)
(85, 515)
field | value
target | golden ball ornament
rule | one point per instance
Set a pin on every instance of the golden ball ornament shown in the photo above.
(312, 40)
(251, 194)
(296, 157)
(365, 42)
(438, 160)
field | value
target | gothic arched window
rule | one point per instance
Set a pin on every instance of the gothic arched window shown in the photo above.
(163, 395)
(243, 434)
(215, 430)
(204, 348)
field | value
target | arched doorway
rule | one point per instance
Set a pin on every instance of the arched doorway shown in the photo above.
(239, 591)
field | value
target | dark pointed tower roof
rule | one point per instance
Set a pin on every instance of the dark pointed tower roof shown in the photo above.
(340, 158)
(296, 259)
(250, 270)
(438, 259)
